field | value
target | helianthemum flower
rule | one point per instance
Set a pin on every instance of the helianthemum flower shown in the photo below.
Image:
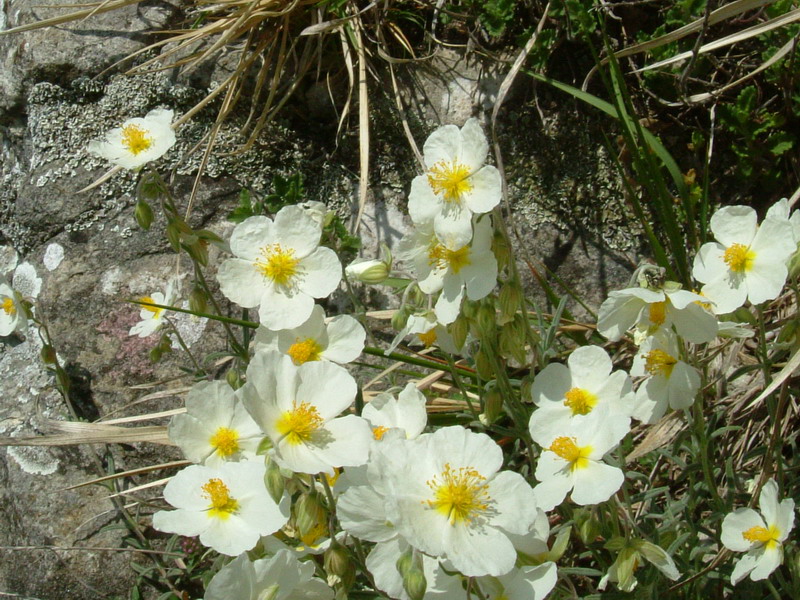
(278, 577)
(670, 383)
(279, 267)
(573, 461)
(215, 427)
(761, 536)
(340, 339)
(406, 413)
(584, 389)
(152, 317)
(456, 271)
(12, 312)
(298, 408)
(138, 141)
(456, 184)
(747, 262)
(228, 507)
(447, 498)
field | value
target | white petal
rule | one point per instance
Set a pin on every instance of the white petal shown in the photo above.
(734, 225)
(725, 295)
(453, 226)
(770, 559)
(617, 314)
(423, 204)
(278, 310)
(486, 190)
(326, 386)
(476, 551)
(735, 524)
(322, 273)
(514, 502)
(449, 303)
(241, 282)
(349, 447)
(346, 339)
(708, 263)
(443, 144)
(474, 146)
(596, 483)
(296, 229)
(480, 276)
(589, 367)
(250, 236)
(744, 566)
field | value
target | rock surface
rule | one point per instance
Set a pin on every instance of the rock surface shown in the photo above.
(566, 205)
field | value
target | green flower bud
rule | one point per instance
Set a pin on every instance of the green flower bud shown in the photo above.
(371, 272)
(501, 250)
(492, 405)
(483, 365)
(234, 379)
(48, 354)
(486, 319)
(414, 582)
(143, 214)
(459, 330)
(309, 512)
(469, 308)
(198, 300)
(274, 481)
(400, 317)
(509, 301)
(405, 562)
(338, 564)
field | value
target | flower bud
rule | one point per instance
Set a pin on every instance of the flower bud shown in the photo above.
(483, 365)
(338, 564)
(509, 301)
(198, 300)
(274, 481)
(48, 354)
(371, 272)
(234, 380)
(501, 250)
(486, 319)
(414, 581)
(492, 405)
(400, 317)
(309, 512)
(469, 308)
(459, 330)
(143, 214)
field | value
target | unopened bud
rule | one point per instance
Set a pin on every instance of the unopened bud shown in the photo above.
(483, 365)
(486, 319)
(501, 250)
(469, 308)
(338, 563)
(234, 379)
(512, 343)
(400, 317)
(414, 582)
(48, 354)
(509, 301)
(309, 513)
(405, 562)
(198, 300)
(371, 272)
(143, 214)
(458, 330)
(492, 405)
(274, 481)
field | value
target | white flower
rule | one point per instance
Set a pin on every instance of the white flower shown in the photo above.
(653, 310)
(340, 340)
(521, 583)
(584, 389)
(279, 267)
(456, 184)
(760, 536)
(780, 210)
(152, 317)
(446, 497)
(228, 507)
(573, 460)
(318, 211)
(13, 315)
(215, 427)
(279, 577)
(406, 413)
(670, 383)
(297, 408)
(747, 262)
(428, 332)
(453, 270)
(138, 141)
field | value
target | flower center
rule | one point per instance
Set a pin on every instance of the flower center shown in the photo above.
(428, 337)
(658, 362)
(580, 401)
(222, 505)
(136, 139)
(451, 180)
(657, 313)
(379, 431)
(8, 306)
(761, 535)
(226, 441)
(277, 264)
(299, 424)
(566, 448)
(146, 303)
(739, 258)
(460, 495)
(441, 257)
(304, 351)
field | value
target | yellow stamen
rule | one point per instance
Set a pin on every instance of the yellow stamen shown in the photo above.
(739, 258)
(580, 401)
(226, 441)
(378, 432)
(277, 264)
(222, 505)
(768, 537)
(658, 313)
(299, 424)
(441, 257)
(451, 180)
(566, 448)
(146, 302)
(136, 139)
(460, 495)
(331, 479)
(428, 337)
(658, 362)
(315, 535)
(304, 351)
(8, 306)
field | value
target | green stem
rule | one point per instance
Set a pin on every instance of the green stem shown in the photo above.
(183, 345)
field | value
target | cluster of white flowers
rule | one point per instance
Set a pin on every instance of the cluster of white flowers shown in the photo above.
(283, 458)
